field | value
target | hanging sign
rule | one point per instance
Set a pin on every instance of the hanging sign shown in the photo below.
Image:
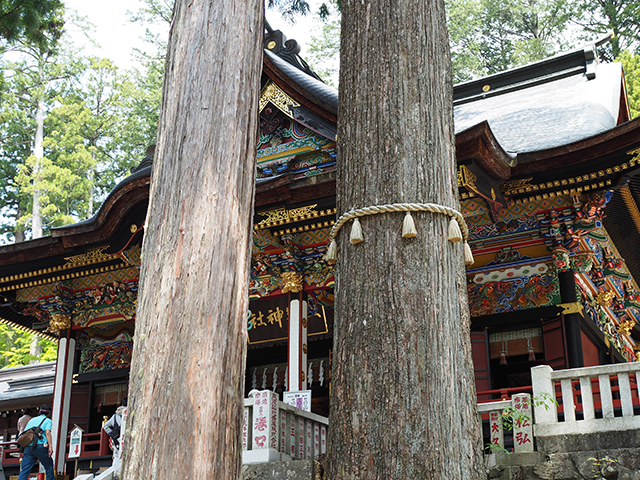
(269, 320)
(75, 442)
(300, 399)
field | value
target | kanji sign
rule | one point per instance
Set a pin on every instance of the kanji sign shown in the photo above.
(75, 442)
(300, 399)
(269, 320)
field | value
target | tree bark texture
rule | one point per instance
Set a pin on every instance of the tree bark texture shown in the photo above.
(403, 401)
(187, 374)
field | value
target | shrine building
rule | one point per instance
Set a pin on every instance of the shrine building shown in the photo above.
(547, 164)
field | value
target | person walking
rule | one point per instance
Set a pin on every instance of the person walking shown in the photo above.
(27, 415)
(114, 424)
(41, 448)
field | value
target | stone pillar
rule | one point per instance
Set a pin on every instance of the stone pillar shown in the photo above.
(61, 400)
(297, 345)
(522, 423)
(495, 428)
(544, 388)
(264, 429)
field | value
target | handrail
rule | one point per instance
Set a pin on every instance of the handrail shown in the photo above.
(274, 431)
(578, 384)
(505, 393)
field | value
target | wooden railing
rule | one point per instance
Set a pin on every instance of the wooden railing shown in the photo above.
(590, 399)
(485, 396)
(274, 431)
(93, 445)
(10, 453)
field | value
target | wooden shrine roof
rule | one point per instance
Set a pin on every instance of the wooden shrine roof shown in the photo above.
(520, 132)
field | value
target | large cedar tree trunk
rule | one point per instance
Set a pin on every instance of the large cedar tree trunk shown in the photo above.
(403, 394)
(187, 374)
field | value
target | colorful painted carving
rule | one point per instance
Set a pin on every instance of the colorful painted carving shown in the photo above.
(105, 304)
(105, 356)
(561, 260)
(58, 322)
(516, 294)
(582, 262)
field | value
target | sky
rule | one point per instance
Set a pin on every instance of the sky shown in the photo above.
(117, 35)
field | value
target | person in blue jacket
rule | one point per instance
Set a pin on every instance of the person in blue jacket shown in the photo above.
(42, 450)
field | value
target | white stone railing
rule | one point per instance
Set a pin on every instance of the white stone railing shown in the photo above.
(578, 384)
(274, 431)
(519, 413)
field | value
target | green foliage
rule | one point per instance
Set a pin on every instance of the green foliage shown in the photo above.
(492, 448)
(489, 36)
(21, 348)
(465, 26)
(622, 17)
(324, 51)
(289, 9)
(631, 65)
(37, 22)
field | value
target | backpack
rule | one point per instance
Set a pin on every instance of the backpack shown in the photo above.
(115, 432)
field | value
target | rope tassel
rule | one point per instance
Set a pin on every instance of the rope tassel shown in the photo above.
(455, 235)
(457, 230)
(408, 227)
(468, 255)
(356, 232)
(332, 253)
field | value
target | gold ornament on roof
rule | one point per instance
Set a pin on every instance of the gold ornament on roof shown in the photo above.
(59, 321)
(283, 215)
(95, 255)
(292, 282)
(603, 298)
(274, 95)
(625, 327)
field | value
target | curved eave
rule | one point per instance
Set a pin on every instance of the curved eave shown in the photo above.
(103, 224)
(309, 92)
(479, 143)
(124, 199)
(622, 137)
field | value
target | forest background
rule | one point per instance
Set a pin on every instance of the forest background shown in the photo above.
(72, 125)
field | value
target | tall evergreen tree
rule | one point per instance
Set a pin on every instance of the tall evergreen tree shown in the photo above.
(203, 184)
(402, 394)
(35, 80)
(37, 22)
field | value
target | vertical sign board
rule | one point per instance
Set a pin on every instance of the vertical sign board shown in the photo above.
(295, 345)
(300, 399)
(522, 429)
(495, 425)
(265, 418)
(75, 442)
